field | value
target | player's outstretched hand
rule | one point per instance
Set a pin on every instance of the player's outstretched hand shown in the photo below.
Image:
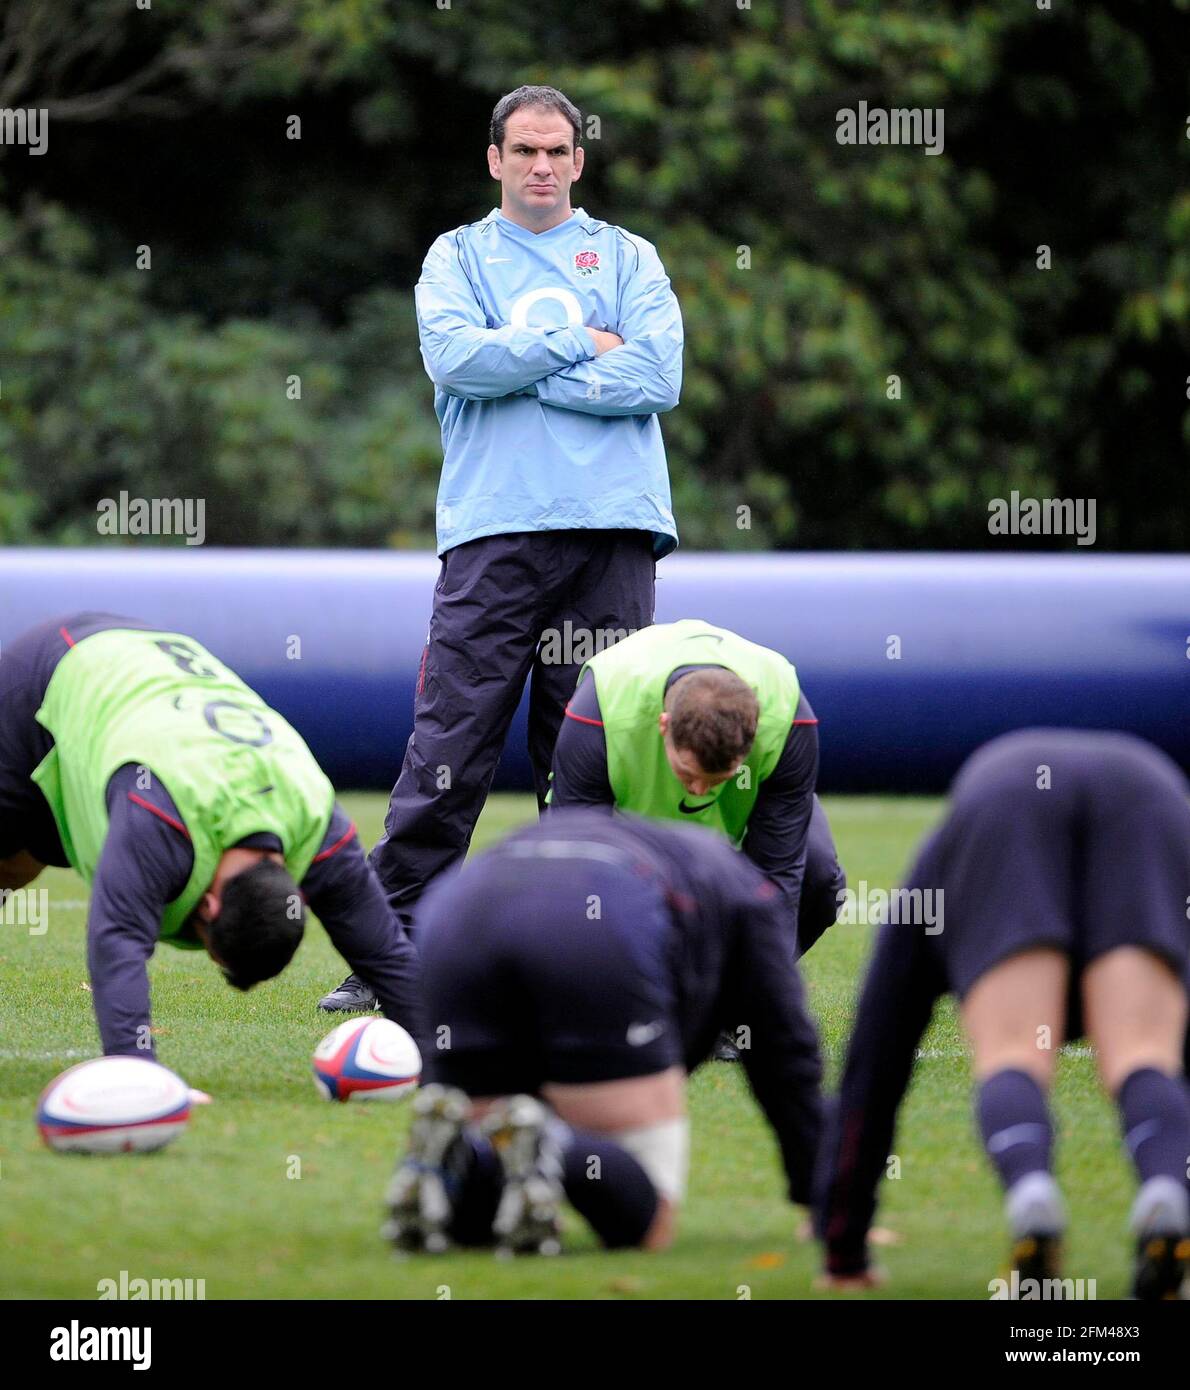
(199, 1097)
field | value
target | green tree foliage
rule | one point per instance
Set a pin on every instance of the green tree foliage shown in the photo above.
(292, 437)
(873, 350)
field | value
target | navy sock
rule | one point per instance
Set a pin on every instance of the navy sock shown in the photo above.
(609, 1188)
(1155, 1117)
(476, 1182)
(1015, 1123)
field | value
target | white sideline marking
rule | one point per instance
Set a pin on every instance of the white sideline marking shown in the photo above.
(42, 1056)
(950, 1054)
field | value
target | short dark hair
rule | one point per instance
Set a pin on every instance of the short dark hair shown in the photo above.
(260, 924)
(713, 714)
(548, 97)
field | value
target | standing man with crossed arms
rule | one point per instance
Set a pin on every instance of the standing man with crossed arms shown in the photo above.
(554, 341)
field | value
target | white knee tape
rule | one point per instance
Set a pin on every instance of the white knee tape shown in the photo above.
(663, 1151)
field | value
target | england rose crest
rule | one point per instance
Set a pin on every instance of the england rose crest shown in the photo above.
(586, 262)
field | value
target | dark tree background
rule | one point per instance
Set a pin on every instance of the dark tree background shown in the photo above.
(1065, 127)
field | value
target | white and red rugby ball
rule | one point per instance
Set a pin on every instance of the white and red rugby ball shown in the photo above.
(113, 1105)
(367, 1059)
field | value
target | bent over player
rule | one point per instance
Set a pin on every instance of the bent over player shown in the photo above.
(192, 809)
(572, 977)
(1064, 864)
(688, 722)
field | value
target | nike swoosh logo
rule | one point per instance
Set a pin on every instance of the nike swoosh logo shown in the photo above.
(692, 810)
(707, 636)
(495, 260)
(641, 1034)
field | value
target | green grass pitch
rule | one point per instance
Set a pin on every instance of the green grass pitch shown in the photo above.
(224, 1203)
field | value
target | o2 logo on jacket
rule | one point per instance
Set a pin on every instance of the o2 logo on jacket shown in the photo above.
(586, 262)
(518, 315)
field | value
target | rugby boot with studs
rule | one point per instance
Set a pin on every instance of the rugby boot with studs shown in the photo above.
(353, 996)
(420, 1195)
(1161, 1220)
(528, 1219)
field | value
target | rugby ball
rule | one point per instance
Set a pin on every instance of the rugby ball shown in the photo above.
(366, 1059)
(113, 1105)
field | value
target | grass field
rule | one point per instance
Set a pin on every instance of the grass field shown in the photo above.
(221, 1205)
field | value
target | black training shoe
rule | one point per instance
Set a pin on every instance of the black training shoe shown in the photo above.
(1038, 1257)
(419, 1197)
(528, 1220)
(1162, 1266)
(1036, 1215)
(725, 1049)
(352, 997)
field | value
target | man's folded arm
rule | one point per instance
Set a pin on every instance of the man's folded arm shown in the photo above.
(644, 375)
(465, 357)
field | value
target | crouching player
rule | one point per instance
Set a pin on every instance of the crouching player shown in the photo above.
(572, 977)
(1064, 864)
(196, 814)
(692, 723)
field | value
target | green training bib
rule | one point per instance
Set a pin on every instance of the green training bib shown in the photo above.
(630, 680)
(233, 766)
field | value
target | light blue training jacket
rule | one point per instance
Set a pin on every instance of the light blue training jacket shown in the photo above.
(539, 433)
